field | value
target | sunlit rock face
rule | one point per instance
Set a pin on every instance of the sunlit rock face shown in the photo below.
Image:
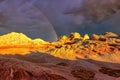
(23, 16)
(97, 47)
(19, 43)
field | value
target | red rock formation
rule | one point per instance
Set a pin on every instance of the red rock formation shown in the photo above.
(70, 58)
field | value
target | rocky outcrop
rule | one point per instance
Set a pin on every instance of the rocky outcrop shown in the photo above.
(67, 47)
(96, 47)
(73, 57)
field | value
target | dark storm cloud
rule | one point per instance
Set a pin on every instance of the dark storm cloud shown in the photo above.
(65, 16)
(23, 16)
(99, 15)
(54, 10)
(84, 16)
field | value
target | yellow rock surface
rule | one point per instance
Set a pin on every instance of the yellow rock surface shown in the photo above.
(18, 43)
(86, 36)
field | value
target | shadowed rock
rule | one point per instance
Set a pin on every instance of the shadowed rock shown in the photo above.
(83, 74)
(110, 72)
(13, 69)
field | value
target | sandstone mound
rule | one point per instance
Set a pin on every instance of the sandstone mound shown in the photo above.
(14, 38)
(19, 43)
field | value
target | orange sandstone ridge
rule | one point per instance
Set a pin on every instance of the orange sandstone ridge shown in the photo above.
(98, 47)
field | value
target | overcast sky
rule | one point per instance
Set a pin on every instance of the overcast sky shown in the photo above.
(66, 23)
(47, 18)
